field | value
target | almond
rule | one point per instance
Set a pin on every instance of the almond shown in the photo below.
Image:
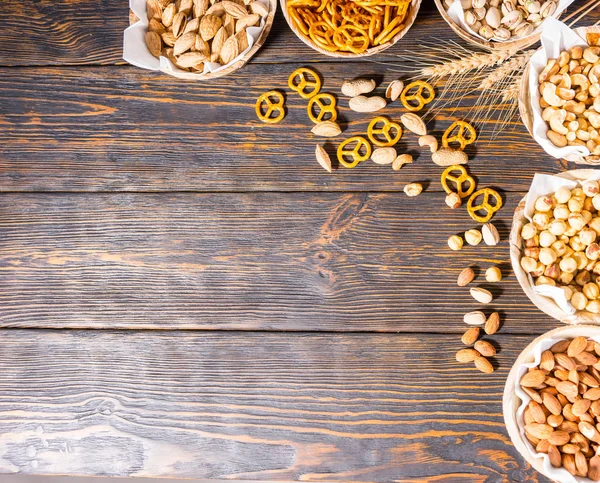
(474, 318)
(192, 26)
(484, 365)
(323, 158)
(384, 155)
(588, 379)
(218, 41)
(242, 40)
(209, 26)
(328, 129)
(533, 378)
(577, 346)
(580, 407)
(467, 355)
(492, 324)
(538, 414)
(414, 123)
(555, 420)
(586, 358)
(592, 394)
(259, 8)
(565, 361)
(217, 10)
(552, 404)
(547, 361)
(559, 438)
(190, 59)
(155, 26)
(168, 15)
(533, 394)
(235, 10)
(540, 431)
(465, 277)
(168, 38)
(589, 431)
(154, 43)
(247, 21)
(185, 6)
(229, 51)
(594, 468)
(485, 348)
(560, 346)
(567, 388)
(470, 336)
(554, 456)
(394, 90)
(581, 463)
(184, 43)
(179, 24)
(200, 7)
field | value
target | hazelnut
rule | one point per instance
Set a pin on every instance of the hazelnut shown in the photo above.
(587, 236)
(578, 301)
(547, 238)
(455, 242)
(529, 264)
(594, 224)
(596, 201)
(543, 204)
(540, 268)
(547, 256)
(534, 252)
(581, 260)
(593, 306)
(587, 216)
(591, 291)
(575, 205)
(493, 274)
(413, 189)
(453, 200)
(578, 193)
(473, 237)
(590, 187)
(552, 271)
(533, 242)
(582, 278)
(561, 212)
(568, 292)
(576, 221)
(560, 247)
(575, 243)
(565, 278)
(557, 227)
(541, 220)
(528, 231)
(568, 265)
(562, 194)
(545, 281)
(593, 251)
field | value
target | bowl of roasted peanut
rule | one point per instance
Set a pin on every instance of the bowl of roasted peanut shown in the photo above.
(350, 28)
(500, 24)
(196, 39)
(559, 98)
(555, 245)
(551, 404)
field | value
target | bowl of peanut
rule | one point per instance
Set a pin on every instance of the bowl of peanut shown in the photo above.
(555, 245)
(559, 95)
(551, 404)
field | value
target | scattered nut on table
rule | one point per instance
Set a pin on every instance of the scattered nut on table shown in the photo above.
(413, 189)
(493, 274)
(481, 295)
(490, 234)
(455, 242)
(465, 277)
(473, 237)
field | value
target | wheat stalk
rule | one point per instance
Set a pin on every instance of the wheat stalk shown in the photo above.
(507, 69)
(511, 93)
(475, 61)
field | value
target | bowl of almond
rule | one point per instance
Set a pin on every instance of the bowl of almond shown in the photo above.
(196, 39)
(559, 94)
(551, 404)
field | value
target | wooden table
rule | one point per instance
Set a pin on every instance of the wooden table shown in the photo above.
(184, 292)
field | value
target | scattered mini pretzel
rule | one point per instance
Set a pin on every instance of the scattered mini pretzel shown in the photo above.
(489, 209)
(324, 108)
(271, 107)
(463, 177)
(421, 87)
(303, 83)
(459, 137)
(384, 131)
(355, 152)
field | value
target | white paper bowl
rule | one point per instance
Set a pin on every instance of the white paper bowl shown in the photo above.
(515, 400)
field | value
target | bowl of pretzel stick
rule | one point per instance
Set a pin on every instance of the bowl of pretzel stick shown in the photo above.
(350, 28)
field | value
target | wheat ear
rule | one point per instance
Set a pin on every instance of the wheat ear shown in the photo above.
(475, 61)
(511, 93)
(507, 69)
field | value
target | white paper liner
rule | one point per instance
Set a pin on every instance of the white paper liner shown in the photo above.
(545, 184)
(557, 474)
(456, 13)
(556, 37)
(135, 50)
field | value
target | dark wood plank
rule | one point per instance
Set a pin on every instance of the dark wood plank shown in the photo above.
(296, 261)
(128, 129)
(76, 32)
(253, 406)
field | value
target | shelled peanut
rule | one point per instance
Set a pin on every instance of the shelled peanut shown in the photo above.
(561, 244)
(570, 90)
(563, 416)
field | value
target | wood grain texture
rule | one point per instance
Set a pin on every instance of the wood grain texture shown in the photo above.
(305, 407)
(98, 129)
(295, 261)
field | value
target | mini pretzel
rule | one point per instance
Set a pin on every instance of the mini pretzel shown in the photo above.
(417, 96)
(459, 137)
(303, 82)
(352, 38)
(463, 177)
(472, 208)
(355, 152)
(324, 108)
(384, 131)
(277, 107)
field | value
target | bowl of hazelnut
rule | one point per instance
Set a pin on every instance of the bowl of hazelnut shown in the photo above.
(555, 245)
